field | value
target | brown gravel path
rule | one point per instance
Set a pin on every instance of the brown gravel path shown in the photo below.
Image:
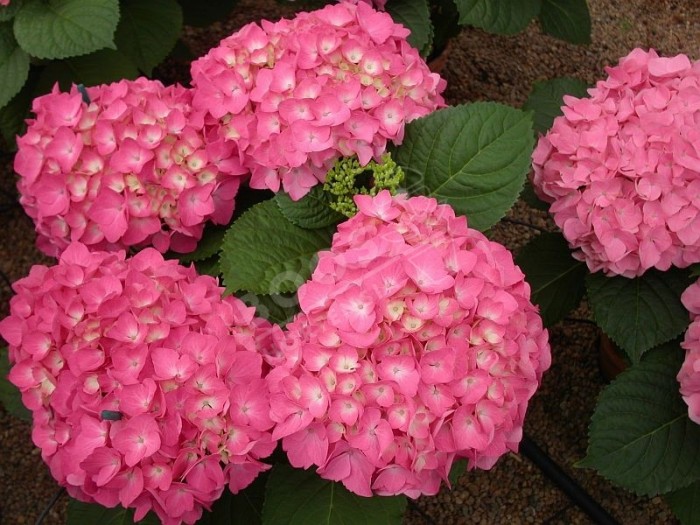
(480, 67)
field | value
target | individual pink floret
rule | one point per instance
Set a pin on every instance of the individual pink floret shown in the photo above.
(146, 386)
(417, 344)
(621, 167)
(689, 375)
(131, 168)
(295, 95)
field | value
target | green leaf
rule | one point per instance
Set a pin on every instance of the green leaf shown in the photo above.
(66, 28)
(264, 253)
(473, 157)
(208, 246)
(530, 198)
(244, 508)
(99, 67)
(13, 115)
(695, 271)
(415, 15)
(566, 19)
(545, 99)
(8, 12)
(10, 396)
(147, 31)
(201, 14)
(209, 266)
(459, 467)
(14, 65)
(276, 308)
(557, 279)
(641, 313)
(640, 435)
(302, 497)
(80, 513)
(498, 16)
(685, 504)
(311, 212)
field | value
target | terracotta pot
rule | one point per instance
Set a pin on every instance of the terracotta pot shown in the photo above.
(611, 359)
(438, 62)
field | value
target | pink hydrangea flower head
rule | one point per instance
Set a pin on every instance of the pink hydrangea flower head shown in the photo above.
(129, 168)
(689, 375)
(621, 167)
(417, 344)
(4, 2)
(293, 96)
(146, 386)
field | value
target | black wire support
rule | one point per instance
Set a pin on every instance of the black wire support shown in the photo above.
(580, 320)
(565, 483)
(526, 224)
(48, 507)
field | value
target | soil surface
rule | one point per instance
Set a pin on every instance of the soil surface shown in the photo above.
(479, 67)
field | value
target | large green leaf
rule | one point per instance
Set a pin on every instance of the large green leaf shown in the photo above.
(14, 65)
(264, 253)
(200, 14)
(415, 15)
(147, 31)
(640, 435)
(473, 157)
(302, 497)
(8, 12)
(546, 99)
(566, 19)
(66, 28)
(557, 279)
(498, 16)
(312, 211)
(100, 67)
(641, 313)
(685, 503)
(80, 513)
(10, 396)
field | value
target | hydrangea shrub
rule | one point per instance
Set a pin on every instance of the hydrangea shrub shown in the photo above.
(150, 391)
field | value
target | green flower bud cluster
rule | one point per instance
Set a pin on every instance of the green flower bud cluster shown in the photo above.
(348, 178)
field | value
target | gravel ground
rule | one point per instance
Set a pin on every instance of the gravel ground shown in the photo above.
(480, 67)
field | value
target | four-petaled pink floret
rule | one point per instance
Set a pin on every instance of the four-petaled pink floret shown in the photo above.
(689, 375)
(295, 95)
(146, 386)
(621, 167)
(129, 168)
(417, 344)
